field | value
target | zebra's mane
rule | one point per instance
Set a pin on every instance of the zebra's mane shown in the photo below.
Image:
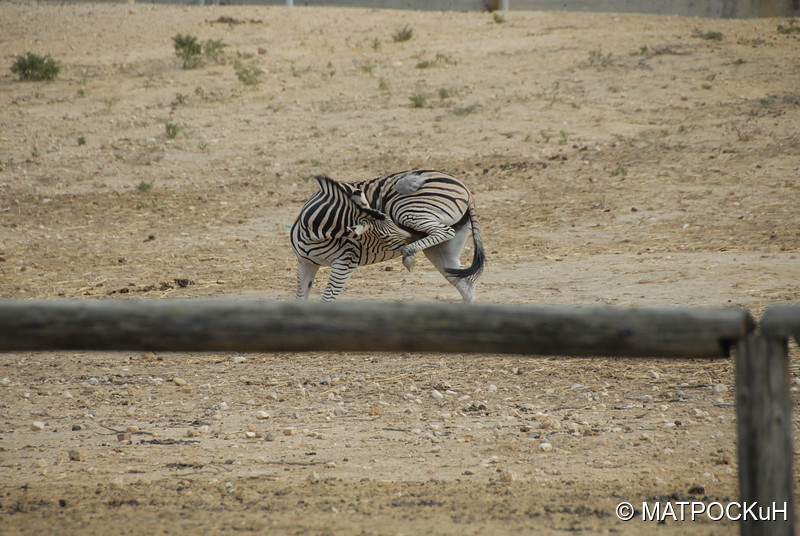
(327, 184)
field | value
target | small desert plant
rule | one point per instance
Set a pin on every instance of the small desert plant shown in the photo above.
(598, 59)
(34, 67)
(790, 28)
(188, 49)
(173, 130)
(403, 34)
(82, 140)
(144, 186)
(619, 171)
(465, 110)
(248, 73)
(213, 50)
(710, 36)
(376, 44)
(498, 17)
(418, 100)
(446, 93)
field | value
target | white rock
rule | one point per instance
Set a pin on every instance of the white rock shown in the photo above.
(545, 447)
(239, 359)
(37, 425)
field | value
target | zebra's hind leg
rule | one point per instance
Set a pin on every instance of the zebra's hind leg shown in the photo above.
(342, 270)
(305, 278)
(447, 255)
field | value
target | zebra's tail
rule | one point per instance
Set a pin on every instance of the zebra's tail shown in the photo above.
(473, 272)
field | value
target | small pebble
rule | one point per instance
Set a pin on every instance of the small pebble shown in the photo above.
(271, 395)
(239, 359)
(508, 476)
(37, 425)
(180, 382)
(262, 415)
(313, 477)
(545, 447)
(76, 455)
(290, 431)
(439, 397)
(270, 436)
(250, 435)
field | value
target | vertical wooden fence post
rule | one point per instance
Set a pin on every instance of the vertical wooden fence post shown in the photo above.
(764, 440)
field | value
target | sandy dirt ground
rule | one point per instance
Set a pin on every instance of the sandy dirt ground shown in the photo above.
(632, 160)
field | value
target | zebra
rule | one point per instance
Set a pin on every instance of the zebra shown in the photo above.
(345, 225)
(337, 228)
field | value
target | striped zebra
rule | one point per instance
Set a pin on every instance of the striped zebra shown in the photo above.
(346, 225)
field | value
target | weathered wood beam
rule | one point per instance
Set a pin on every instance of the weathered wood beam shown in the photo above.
(781, 321)
(266, 326)
(764, 435)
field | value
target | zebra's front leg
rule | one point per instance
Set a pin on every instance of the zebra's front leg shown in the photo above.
(342, 269)
(436, 234)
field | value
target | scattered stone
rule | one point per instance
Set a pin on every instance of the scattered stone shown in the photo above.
(439, 397)
(491, 387)
(250, 435)
(76, 427)
(180, 382)
(508, 476)
(339, 411)
(117, 483)
(262, 415)
(270, 436)
(239, 359)
(469, 472)
(289, 431)
(37, 425)
(76, 455)
(271, 395)
(313, 477)
(124, 436)
(545, 446)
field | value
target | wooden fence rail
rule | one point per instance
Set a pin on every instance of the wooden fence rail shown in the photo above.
(763, 403)
(262, 326)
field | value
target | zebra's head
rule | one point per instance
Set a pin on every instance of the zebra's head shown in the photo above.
(383, 230)
(370, 226)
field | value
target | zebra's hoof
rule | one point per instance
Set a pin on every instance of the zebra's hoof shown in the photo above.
(408, 262)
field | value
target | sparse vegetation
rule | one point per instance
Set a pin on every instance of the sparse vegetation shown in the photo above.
(498, 17)
(144, 186)
(790, 28)
(34, 67)
(82, 140)
(191, 51)
(248, 73)
(446, 93)
(619, 171)
(188, 49)
(709, 36)
(598, 59)
(418, 100)
(403, 34)
(440, 59)
(466, 110)
(173, 130)
(376, 44)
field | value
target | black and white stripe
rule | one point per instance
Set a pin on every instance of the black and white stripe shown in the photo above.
(427, 210)
(337, 228)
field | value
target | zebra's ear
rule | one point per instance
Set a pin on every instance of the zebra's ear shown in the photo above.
(358, 230)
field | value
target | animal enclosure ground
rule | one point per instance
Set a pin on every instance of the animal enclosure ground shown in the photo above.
(633, 160)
